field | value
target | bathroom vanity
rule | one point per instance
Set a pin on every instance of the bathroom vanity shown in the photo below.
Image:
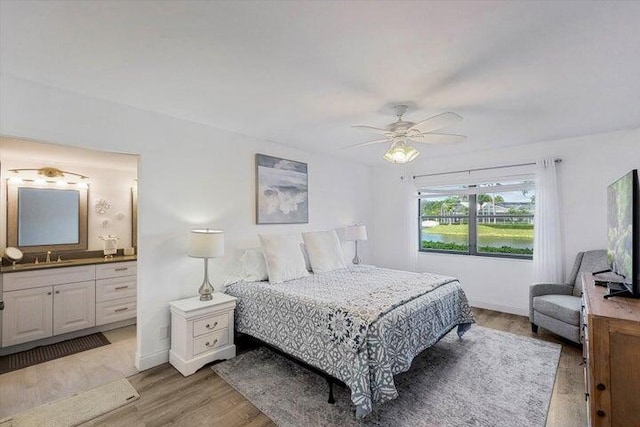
(50, 302)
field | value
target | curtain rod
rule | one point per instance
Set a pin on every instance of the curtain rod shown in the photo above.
(480, 169)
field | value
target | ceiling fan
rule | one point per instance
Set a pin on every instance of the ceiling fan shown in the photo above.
(401, 133)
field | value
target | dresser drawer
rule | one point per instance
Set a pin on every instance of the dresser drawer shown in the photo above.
(116, 269)
(115, 288)
(114, 311)
(211, 323)
(210, 341)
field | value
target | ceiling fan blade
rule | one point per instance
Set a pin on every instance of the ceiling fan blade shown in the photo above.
(437, 122)
(372, 129)
(364, 144)
(439, 138)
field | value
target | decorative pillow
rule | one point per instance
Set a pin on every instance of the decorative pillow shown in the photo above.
(283, 256)
(325, 251)
(305, 254)
(254, 267)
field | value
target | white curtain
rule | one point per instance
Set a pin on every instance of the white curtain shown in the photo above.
(548, 253)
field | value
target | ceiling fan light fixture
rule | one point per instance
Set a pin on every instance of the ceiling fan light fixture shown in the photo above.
(400, 153)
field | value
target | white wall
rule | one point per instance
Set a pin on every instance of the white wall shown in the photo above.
(189, 175)
(112, 181)
(589, 165)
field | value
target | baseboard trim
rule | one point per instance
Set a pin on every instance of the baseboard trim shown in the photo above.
(148, 361)
(499, 307)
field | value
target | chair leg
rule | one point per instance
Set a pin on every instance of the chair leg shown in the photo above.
(331, 399)
(534, 328)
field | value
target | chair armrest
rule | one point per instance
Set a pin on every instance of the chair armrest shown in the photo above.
(539, 289)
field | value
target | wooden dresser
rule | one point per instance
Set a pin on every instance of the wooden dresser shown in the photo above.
(611, 350)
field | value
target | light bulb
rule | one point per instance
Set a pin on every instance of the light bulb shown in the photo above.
(15, 178)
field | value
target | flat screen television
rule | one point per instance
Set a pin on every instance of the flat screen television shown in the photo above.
(623, 219)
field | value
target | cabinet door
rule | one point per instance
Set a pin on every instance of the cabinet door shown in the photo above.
(74, 307)
(27, 315)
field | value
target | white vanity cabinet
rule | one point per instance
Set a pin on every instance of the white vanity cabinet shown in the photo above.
(115, 292)
(43, 303)
(27, 316)
(74, 307)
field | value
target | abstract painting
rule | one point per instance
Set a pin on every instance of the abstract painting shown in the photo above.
(282, 195)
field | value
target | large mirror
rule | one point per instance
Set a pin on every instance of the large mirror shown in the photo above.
(43, 217)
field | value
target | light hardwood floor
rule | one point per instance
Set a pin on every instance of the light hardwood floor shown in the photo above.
(204, 399)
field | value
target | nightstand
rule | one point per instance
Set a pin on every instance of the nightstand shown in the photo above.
(201, 332)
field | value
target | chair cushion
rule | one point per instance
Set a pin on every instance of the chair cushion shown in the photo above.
(562, 307)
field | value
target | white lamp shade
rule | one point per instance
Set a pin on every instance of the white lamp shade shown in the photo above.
(356, 232)
(206, 243)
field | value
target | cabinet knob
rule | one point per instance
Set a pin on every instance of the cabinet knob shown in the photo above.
(601, 387)
(208, 344)
(600, 413)
(57, 292)
(208, 326)
(48, 293)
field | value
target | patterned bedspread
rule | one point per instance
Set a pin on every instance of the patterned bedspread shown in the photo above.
(362, 325)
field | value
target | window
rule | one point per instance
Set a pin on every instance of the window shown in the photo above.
(488, 219)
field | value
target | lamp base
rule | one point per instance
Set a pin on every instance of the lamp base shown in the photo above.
(206, 289)
(205, 292)
(356, 260)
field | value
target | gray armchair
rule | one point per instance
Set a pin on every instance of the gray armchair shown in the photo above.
(555, 306)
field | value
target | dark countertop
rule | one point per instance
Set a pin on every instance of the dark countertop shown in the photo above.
(65, 263)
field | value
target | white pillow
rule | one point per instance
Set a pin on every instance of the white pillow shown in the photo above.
(283, 255)
(254, 267)
(325, 251)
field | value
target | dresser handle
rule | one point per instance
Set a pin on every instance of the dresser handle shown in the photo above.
(48, 293)
(600, 413)
(121, 287)
(211, 345)
(601, 387)
(121, 309)
(208, 326)
(121, 269)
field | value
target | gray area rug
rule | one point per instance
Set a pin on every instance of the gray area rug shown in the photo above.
(488, 378)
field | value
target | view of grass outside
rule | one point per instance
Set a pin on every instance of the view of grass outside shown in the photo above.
(504, 223)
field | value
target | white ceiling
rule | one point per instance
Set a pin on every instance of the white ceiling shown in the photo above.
(301, 73)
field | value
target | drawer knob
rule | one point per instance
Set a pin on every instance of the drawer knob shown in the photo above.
(208, 326)
(208, 344)
(600, 413)
(601, 387)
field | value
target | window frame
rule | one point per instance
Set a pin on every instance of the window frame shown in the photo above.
(472, 217)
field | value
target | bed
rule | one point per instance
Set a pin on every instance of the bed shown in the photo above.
(361, 325)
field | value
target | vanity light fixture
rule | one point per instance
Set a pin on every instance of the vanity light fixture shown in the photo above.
(48, 172)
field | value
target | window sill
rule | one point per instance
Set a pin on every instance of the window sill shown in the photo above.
(493, 256)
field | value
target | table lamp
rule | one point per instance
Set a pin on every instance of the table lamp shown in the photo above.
(206, 243)
(355, 233)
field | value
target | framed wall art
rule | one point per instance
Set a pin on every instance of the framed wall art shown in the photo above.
(282, 191)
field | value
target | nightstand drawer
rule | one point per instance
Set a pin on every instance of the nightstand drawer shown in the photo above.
(209, 324)
(210, 341)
